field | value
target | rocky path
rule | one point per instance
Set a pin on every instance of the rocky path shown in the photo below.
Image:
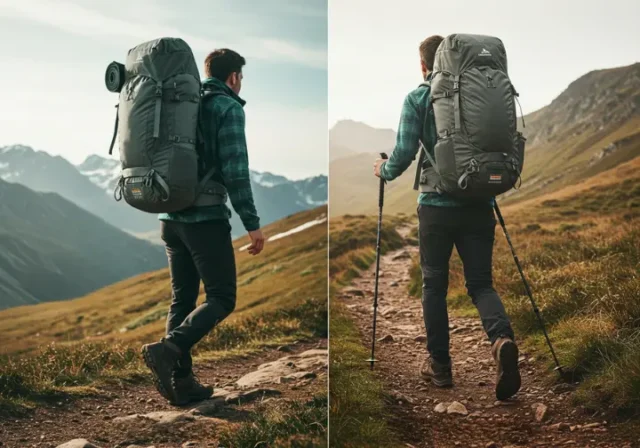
(468, 414)
(137, 417)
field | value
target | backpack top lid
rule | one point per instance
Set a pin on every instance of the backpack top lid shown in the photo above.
(161, 58)
(458, 52)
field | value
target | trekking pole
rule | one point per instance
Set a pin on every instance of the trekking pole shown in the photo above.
(375, 293)
(528, 290)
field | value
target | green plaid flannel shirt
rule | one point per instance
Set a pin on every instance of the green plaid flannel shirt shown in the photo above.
(231, 146)
(407, 145)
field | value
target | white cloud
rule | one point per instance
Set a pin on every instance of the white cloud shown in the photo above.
(77, 119)
(77, 19)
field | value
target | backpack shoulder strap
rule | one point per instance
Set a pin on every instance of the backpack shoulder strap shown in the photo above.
(209, 192)
(425, 134)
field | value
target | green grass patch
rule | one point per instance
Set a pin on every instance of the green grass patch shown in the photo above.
(64, 369)
(282, 424)
(150, 317)
(358, 416)
(357, 410)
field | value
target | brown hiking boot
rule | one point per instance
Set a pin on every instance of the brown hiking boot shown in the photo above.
(189, 389)
(439, 374)
(161, 358)
(505, 352)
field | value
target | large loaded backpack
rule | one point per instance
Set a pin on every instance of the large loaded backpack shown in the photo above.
(164, 168)
(479, 152)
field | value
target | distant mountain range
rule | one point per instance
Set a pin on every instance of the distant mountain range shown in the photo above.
(348, 137)
(51, 249)
(594, 125)
(90, 185)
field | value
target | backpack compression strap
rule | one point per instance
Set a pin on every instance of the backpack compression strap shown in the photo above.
(115, 130)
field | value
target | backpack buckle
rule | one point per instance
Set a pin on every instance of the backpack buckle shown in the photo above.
(472, 167)
(456, 86)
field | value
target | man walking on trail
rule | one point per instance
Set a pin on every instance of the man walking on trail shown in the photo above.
(445, 221)
(198, 239)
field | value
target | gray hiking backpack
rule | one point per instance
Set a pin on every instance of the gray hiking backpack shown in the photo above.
(161, 149)
(479, 152)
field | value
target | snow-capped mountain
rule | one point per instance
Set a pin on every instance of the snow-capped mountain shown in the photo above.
(276, 196)
(102, 172)
(90, 185)
(40, 171)
(267, 179)
(312, 191)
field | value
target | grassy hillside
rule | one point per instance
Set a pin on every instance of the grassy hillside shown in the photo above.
(288, 272)
(580, 248)
(354, 189)
(51, 249)
(593, 126)
(73, 348)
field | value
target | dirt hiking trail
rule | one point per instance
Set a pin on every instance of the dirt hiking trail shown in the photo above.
(136, 416)
(467, 415)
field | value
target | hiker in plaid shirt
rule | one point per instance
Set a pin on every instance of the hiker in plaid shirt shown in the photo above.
(198, 239)
(445, 222)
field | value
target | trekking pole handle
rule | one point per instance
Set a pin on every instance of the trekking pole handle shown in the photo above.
(382, 182)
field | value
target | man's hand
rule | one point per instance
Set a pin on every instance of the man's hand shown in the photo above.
(377, 165)
(257, 242)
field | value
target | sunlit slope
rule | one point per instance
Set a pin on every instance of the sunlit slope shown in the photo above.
(593, 126)
(289, 271)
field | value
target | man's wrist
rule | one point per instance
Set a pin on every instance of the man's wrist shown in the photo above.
(382, 171)
(252, 225)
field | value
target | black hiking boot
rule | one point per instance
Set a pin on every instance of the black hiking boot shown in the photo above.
(438, 373)
(161, 358)
(505, 352)
(188, 389)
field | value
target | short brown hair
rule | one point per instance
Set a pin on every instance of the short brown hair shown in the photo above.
(222, 62)
(428, 49)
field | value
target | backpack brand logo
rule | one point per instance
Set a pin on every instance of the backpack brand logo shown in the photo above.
(484, 52)
(495, 178)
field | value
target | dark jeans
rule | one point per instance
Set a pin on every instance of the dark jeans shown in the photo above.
(471, 230)
(198, 251)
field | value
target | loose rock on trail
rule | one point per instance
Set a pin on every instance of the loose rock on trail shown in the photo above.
(135, 416)
(467, 415)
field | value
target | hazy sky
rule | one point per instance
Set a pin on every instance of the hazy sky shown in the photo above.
(54, 54)
(373, 47)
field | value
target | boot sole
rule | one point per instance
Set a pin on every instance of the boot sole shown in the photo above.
(165, 389)
(440, 383)
(509, 382)
(188, 400)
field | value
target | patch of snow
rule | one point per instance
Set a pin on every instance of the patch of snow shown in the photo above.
(295, 230)
(103, 177)
(310, 201)
(267, 179)
(11, 175)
